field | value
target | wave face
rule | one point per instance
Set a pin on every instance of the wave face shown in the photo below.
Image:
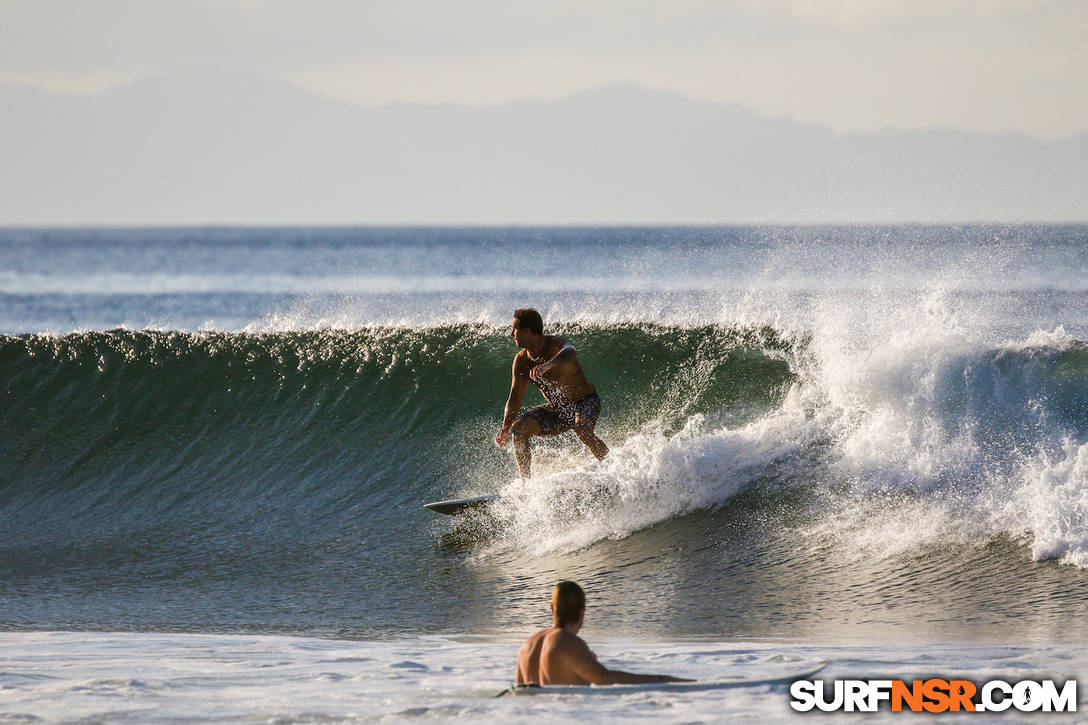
(817, 433)
(163, 422)
(210, 455)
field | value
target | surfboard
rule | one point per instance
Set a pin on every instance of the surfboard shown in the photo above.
(723, 683)
(460, 505)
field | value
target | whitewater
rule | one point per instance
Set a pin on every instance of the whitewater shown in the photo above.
(866, 446)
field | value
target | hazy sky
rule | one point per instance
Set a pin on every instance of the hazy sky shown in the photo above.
(992, 65)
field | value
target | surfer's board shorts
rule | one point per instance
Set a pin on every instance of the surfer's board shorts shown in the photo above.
(554, 421)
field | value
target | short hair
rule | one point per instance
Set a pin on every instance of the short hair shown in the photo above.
(530, 319)
(568, 601)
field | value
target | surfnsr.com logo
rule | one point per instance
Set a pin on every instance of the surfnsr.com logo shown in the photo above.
(933, 695)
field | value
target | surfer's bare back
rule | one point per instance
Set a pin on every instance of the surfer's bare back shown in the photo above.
(552, 363)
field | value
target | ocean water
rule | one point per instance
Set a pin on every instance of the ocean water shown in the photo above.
(866, 446)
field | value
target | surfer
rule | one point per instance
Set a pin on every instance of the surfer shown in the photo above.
(558, 656)
(550, 362)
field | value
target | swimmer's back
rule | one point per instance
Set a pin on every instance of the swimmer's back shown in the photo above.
(528, 671)
(562, 656)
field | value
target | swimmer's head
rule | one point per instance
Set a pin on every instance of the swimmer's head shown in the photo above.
(568, 603)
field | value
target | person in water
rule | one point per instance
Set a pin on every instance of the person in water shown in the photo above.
(550, 362)
(558, 656)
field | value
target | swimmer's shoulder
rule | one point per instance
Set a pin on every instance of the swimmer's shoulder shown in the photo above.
(561, 639)
(537, 638)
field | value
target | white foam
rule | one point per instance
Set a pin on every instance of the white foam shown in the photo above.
(1053, 504)
(933, 426)
(1057, 338)
(171, 678)
(927, 429)
(648, 478)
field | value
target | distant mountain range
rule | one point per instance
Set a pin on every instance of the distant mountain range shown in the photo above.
(212, 148)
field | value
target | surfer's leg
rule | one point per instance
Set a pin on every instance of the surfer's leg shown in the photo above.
(585, 420)
(593, 443)
(523, 429)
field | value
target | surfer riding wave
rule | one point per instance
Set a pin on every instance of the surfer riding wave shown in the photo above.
(551, 362)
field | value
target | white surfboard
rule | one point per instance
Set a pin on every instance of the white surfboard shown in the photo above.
(460, 505)
(721, 683)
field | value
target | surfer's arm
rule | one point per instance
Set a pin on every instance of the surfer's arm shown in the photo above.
(518, 384)
(565, 354)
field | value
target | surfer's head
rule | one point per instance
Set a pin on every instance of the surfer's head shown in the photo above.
(568, 604)
(528, 327)
(529, 319)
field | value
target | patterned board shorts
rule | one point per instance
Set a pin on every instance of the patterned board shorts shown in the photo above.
(557, 420)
